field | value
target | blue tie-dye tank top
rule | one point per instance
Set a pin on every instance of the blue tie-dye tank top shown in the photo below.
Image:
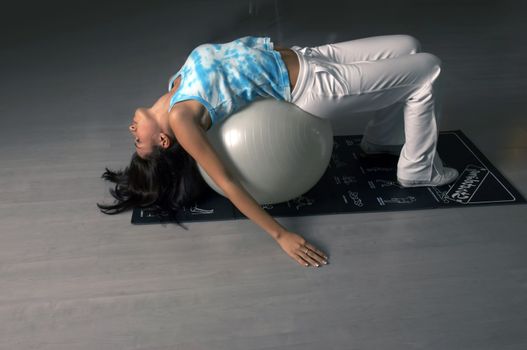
(226, 77)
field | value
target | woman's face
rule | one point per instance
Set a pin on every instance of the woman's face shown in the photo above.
(145, 130)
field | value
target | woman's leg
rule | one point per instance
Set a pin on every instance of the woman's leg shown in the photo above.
(386, 127)
(365, 49)
(332, 88)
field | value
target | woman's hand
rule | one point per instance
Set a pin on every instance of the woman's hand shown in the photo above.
(300, 250)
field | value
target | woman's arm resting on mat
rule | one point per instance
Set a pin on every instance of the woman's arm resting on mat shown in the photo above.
(193, 139)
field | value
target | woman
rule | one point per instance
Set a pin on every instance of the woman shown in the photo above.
(384, 73)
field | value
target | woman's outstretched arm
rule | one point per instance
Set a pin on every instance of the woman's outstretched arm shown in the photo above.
(193, 139)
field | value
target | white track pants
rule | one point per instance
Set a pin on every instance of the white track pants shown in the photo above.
(386, 74)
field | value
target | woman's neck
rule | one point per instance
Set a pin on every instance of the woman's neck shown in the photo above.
(160, 108)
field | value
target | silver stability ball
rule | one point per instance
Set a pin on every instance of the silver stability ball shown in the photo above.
(276, 150)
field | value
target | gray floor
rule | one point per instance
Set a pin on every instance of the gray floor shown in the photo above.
(72, 278)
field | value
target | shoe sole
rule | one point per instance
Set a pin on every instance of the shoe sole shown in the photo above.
(409, 184)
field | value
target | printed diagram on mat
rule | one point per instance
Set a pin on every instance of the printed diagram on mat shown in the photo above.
(353, 197)
(194, 210)
(345, 179)
(387, 183)
(396, 200)
(296, 203)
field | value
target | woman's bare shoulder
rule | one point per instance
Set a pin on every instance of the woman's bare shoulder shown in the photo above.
(191, 109)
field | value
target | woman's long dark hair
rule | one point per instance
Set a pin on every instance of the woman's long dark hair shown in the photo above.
(167, 180)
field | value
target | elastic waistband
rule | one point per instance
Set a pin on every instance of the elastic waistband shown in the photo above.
(303, 74)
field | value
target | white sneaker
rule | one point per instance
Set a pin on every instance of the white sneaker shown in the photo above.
(449, 175)
(373, 149)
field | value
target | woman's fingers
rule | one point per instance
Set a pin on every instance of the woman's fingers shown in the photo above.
(315, 254)
(309, 259)
(311, 256)
(321, 254)
(301, 261)
(305, 260)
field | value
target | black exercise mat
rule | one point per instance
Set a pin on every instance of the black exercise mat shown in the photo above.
(355, 183)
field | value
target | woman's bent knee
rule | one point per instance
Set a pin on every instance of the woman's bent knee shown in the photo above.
(434, 60)
(430, 61)
(433, 64)
(411, 43)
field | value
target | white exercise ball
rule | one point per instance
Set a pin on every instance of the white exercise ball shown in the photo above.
(276, 150)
